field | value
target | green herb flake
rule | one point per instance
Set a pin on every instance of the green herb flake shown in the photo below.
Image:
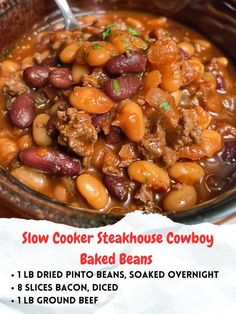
(107, 31)
(149, 41)
(128, 48)
(126, 40)
(165, 106)
(116, 85)
(175, 73)
(113, 54)
(132, 31)
(97, 46)
(166, 33)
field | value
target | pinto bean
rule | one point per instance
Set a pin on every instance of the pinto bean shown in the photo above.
(152, 78)
(155, 177)
(60, 193)
(36, 76)
(192, 70)
(187, 47)
(135, 62)
(40, 135)
(130, 119)
(25, 142)
(68, 54)
(8, 150)
(180, 200)
(92, 190)
(187, 172)
(163, 52)
(9, 67)
(171, 77)
(60, 78)
(50, 160)
(33, 179)
(90, 99)
(22, 112)
(123, 87)
(116, 186)
(98, 53)
(100, 149)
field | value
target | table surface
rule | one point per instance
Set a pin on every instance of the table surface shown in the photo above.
(7, 213)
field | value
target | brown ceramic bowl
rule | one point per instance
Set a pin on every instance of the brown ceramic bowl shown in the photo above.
(215, 19)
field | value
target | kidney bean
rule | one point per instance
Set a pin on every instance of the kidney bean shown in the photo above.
(116, 186)
(229, 153)
(49, 62)
(98, 120)
(22, 112)
(115, 135)
(123, 87)
(50, 160)
(231, 181)
(52, 130)
(36, 76)
(60, 78)
(95, 37)
(215, 183)
(134, 62)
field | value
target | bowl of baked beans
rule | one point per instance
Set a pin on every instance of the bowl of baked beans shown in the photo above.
(135, 110)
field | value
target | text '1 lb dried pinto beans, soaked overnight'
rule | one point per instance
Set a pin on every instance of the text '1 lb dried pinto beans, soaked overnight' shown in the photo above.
(137, 116)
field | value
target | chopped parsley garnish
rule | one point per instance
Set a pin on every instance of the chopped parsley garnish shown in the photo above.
(165, 105)
(175, 73)
(126, 40)
(97, 46)
(128, 48)
(107, 31)
(113, 54)
(116, 85)
(166, 33)
(150, 40)
(132, 31)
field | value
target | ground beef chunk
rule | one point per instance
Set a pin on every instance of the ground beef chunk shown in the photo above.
(186, 133)
(152, 144)
(110, 163)
(15, 85)
(144, 195)
(127, 154)
(169, 156)
(95, 79)
(76, 131)
(39, 57)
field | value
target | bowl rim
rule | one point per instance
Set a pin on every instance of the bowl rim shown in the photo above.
(39, 206)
